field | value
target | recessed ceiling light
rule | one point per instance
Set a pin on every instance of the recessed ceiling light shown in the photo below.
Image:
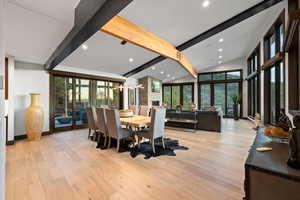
(168, 75)
(221, 40)
(84, 47)
(220, 57)
(130, 59)
(220, 50)
(153, 68)
(162, 72)
(206, 3)
(220, 62)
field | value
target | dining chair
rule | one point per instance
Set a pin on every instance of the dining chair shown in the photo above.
(102, 124)
(144, 110)
(114, 127)
(92, 120)
(156, 128)
(134, 108)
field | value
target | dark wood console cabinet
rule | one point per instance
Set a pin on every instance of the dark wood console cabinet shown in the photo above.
(267, 176)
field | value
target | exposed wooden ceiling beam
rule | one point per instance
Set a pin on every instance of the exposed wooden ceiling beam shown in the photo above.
(130, 32)
(211, 32)
(89, 16)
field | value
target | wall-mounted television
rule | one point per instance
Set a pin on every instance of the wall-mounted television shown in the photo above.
(155, 85)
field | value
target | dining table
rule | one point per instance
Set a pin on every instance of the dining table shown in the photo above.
(136, 121)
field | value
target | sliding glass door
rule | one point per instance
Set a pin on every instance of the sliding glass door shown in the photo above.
(219, 96)
(71, 95)
(178, 94)
(81, 101)
(63, 102)
(218, 88)
(232, 90)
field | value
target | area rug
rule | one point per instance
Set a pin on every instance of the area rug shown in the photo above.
(145, 149)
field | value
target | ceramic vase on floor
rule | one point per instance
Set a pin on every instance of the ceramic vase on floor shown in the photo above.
(34, 118)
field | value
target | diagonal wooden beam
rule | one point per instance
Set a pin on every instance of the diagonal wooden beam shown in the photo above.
(130, 32)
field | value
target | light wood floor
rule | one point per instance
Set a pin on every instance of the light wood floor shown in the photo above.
(68, 166)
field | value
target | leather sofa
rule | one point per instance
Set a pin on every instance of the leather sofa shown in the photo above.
(206, 120)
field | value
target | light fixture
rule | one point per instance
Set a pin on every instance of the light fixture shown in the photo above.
(153, 68)
(220, 50)
(173, 78)
(84, 47)
(130, 59)
(220, 62)
(206, 3)
(168, 75)
(221, 40)
(220, 57)
(162, 72)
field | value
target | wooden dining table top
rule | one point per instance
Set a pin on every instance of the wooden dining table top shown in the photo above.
(136, 121)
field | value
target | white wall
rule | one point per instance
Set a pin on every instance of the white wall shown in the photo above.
(2, 128)
(30, 78)
(11, 98)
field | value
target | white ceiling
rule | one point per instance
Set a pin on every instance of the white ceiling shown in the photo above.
(35, 28)
(239, 41)
(105, 53)
(180, 20)
(60, 10)
(170, 68)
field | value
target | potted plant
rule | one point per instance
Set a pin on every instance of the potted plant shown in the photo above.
(236, 99)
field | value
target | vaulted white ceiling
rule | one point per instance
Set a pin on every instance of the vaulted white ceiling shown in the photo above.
(177, 21)
(105, 53)
(35, 28)
(239, 41)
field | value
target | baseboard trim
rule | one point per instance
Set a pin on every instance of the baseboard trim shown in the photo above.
(12, 142)
(23, 137)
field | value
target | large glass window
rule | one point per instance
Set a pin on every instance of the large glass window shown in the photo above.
(167, 96)
(232, 90)
(275, 72)
(62, 102)
(81, 101)
(205, 95)
(219, 94)
(253, 83)
(187, 97)
(71, 95)
(219, 90)
(178, 94)
(175, 96)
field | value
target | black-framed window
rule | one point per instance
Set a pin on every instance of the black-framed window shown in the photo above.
(178, 94)
(217, 88)
(71, 93)
(274, 75)
(254, 82)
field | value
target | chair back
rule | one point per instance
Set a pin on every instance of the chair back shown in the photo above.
(144, 110)
(92, 117)
(134, 108)
(157, 127)
(113, 122)
(101, 120)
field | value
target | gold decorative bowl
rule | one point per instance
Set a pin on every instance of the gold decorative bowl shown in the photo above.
(126, 113)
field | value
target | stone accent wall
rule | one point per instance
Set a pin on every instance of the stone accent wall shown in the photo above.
(145, 95)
